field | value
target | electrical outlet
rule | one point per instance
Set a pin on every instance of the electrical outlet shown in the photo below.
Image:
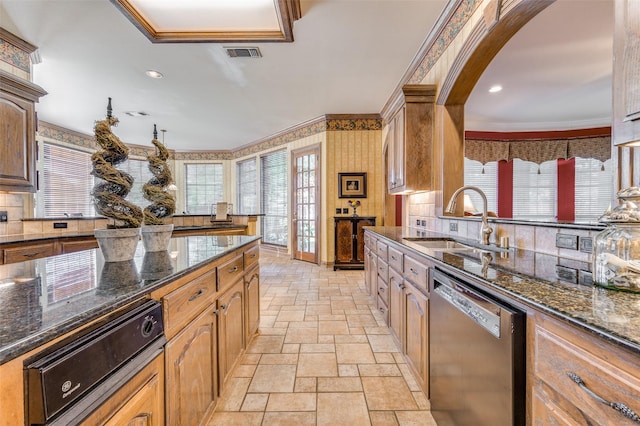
(338, 210)
(417, 222)
(4, 217)
(453, 226)
(345, 211)
(586, 244)
(423, 223)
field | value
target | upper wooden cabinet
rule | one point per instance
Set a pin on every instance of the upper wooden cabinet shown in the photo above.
(626, 73)
(18, 133)
(410, 140)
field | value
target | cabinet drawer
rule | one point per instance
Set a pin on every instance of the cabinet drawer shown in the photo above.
(230, 271)
(556, 357)
(251, 257)
(416, 272)
(35, 251)
(384, 311)
(383, 291)
(73, 246)
(383, 270)
(395, 259)
(185, 303)
(382, 250)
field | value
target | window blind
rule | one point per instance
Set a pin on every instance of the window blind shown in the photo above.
(487, 182)
(274, 199)
(139, 169)
(247, 186)
(66, 182)
(534, 194)
(204, 187)
(594, 190)
(67, 276)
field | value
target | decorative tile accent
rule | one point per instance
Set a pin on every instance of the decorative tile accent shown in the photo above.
(14, 56)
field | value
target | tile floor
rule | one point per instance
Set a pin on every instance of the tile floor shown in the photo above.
(323, 356)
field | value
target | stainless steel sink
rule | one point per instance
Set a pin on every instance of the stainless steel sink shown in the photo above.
(438, 243)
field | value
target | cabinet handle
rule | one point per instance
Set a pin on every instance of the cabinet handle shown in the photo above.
(393, 257)
(223, 306)
(234, 269)
(381, 289)
(197, 294)
(30, 254)
(618, 406)
(413, 271)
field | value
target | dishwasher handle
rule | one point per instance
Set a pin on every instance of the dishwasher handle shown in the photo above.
(482, 311)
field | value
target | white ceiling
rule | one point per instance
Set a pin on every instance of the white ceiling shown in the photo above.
(348, 56)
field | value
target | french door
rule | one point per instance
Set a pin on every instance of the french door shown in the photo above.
(306, 203)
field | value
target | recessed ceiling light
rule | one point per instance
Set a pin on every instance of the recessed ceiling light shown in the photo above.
(495, 89)
(154, 74)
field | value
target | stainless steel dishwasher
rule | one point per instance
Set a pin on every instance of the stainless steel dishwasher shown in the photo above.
(477, 358)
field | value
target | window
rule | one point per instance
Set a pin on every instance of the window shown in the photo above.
(593, 188)
(203, 187)
(70, 275)
(139, 169)
(273, 178)
(66, 182)
(534, 190)
(484, 177)
(247, 187)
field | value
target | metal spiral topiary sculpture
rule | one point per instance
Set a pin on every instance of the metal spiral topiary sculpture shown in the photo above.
(163, 203)
(109, 193)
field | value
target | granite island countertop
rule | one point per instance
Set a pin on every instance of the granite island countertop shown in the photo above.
(45, 298)
(530, 278)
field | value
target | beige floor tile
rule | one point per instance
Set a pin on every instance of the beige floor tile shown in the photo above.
(421, 400)
(244, 370)
(354, 353)
(384, 358)
(342, 408)
(235, 390)
(317, 365)
(382, 343)
(388, 393)
(348, 370)
(255, 402)
(279, 359)
(266, 345)
(290, 316)
(291, 348)
(301, 335)
(361, 320)
(250, 358)
(317, 347)
(383, 418)
(273, 378)
(415, 418)
(289, 419)
(305, 384)
(333, 327)
(339, 338)
(236, 419)
(298, 401)
(377, 330)
(341, 305)
(339, 384)
(379, 370)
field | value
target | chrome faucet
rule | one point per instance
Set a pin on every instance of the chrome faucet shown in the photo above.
(485, 229)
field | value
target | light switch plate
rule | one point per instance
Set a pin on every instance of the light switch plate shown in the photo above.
(586, 244)
(453, 226)
(4, 217)
(567, 241)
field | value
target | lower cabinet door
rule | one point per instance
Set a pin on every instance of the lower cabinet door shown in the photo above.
(138, 403)
(252, 295)
(417, 334)
(191, 373)
(396, 307)
(231, 329)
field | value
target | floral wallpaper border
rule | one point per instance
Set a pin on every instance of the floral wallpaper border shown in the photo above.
(465, 10)
(14, 56)
(323, 124)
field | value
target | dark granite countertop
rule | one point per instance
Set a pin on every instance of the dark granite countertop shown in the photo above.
(44, 298)
(530, 278)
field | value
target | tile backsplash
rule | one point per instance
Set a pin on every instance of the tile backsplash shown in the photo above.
(13, 204)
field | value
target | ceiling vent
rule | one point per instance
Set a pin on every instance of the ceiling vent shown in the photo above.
(243, 52)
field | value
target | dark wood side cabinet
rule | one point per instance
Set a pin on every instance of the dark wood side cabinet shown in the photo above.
(349, 241)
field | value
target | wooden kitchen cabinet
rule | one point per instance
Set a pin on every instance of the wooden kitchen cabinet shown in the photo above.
(29, 252)
(349, 241)
(191, 385)
(410, 141)
(252, 300)
(558, 350)
(139, 402)
(626, 72)
(416, 345)
(18, 129)
(231, 329)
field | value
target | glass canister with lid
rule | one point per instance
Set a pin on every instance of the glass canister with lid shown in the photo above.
(616, 256)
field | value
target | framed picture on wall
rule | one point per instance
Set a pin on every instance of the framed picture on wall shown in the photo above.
(352, 185)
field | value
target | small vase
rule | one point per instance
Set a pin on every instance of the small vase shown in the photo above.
(354, 211)
(156, 237)
(117, 245)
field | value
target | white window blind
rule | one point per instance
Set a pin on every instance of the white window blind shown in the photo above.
(68, 276)
(247, 186)
(204, 187)
(487, 182)
(139, 169)
(594, 188)
(274, 199)
(66, 183)
(535, 194)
